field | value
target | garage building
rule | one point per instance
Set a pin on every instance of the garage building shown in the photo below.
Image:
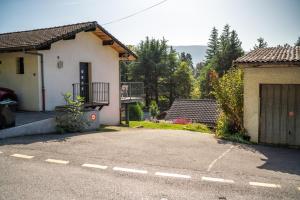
(272, 95)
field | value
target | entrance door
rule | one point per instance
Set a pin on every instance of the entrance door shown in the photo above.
(84, 81)
(280, 114)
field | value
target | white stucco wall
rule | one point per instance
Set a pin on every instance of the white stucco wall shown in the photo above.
(25, 85)
(253, 77)
(104, 68)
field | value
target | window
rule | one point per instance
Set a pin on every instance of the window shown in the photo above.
(20, 65)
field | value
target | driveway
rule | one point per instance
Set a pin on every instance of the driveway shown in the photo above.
(145, 164)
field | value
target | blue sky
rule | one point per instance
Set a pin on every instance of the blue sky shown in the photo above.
(181, 22)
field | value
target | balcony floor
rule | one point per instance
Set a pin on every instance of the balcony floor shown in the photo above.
(131, 99)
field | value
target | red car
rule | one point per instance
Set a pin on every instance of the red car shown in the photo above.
(6, 93)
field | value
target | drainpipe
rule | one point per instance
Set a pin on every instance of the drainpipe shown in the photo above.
(42, 76)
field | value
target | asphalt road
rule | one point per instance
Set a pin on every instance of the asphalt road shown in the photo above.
(145, 164)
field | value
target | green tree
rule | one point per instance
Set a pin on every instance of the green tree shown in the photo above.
(153, 109)
(297, 42)
(150, 66)
(213, 44)
(229, 49)
(184, 81)
(261, 43)
(172, 65)
(187, 57)
(228, 92)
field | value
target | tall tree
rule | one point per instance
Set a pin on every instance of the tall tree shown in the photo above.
(261, 43)
(152, 54)
(298, 42)
(213, 44)
(169, 87)
(229, 49)
(184, 81)
(187, 57)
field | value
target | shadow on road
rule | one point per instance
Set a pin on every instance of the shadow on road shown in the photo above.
(53, 137)
(29, 139)
(278, 159)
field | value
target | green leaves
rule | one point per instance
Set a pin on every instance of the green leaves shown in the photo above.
(70, 117)
(153, 109)
(228, 92)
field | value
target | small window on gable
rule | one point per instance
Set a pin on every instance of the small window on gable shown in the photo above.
(20, 65)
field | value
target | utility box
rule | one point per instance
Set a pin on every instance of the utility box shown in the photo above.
(93, 117)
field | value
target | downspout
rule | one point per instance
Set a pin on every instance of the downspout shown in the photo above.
(42, 77)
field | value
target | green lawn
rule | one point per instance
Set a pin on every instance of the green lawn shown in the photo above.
(162, 125)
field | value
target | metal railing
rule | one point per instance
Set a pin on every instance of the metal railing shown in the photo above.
(94, 93)
(131, 90)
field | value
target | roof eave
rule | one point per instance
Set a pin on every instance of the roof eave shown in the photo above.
(259, 63)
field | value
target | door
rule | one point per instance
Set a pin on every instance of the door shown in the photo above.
(84, 81)
(280, 114)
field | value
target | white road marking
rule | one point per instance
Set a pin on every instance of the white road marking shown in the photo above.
(172, 175)
(21, 156)
(130, 170)
(1, 152)
(221, 156)
(57, 161)
(216, 180)
(94, 166)
(265, 184)
(299, 188)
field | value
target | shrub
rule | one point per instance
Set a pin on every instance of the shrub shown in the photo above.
(135, 112)
(70, 117)
(228, 92)
(153, 109)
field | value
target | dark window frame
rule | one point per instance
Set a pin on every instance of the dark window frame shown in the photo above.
(20, 65)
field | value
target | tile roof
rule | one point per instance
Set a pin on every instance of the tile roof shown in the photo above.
(201, 110)
(271, 55)
(41, 38)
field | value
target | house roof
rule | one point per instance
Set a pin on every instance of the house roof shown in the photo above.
(40, 39)
(200, 110)
(271, 55)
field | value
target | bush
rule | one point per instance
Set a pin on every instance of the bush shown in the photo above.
(70, 117)
(153, 109)
(228, 92)
(135, 112)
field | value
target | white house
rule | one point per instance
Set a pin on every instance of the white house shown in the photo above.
(41, 65)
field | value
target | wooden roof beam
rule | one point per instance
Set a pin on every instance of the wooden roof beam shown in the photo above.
(107, 42)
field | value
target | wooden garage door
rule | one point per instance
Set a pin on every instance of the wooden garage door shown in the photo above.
(280, 114)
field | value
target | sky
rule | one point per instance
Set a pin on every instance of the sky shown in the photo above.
(181, 22)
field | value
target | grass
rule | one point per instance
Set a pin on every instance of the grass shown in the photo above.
(240, 138)
(163, 125)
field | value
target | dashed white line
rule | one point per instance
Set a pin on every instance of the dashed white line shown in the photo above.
(57, 161)
(221, 156)
(94, 166)
(271, 185)
(299, 188)
(1, 152)
(21, 156)
(172, 175)
(204, 178)
(130, 170)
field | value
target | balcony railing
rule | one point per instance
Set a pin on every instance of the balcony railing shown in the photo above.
(93, 93)
(131, 91)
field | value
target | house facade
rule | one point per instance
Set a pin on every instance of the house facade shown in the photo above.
(272, 95)
(83, 59)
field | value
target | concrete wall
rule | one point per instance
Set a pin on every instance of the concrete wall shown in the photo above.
(253, 77)
(104, 63)
(25, 85)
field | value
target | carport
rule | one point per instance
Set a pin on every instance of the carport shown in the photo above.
(272, 95)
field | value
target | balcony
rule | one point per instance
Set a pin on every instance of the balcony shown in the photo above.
(132, 92)
(95, 94)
